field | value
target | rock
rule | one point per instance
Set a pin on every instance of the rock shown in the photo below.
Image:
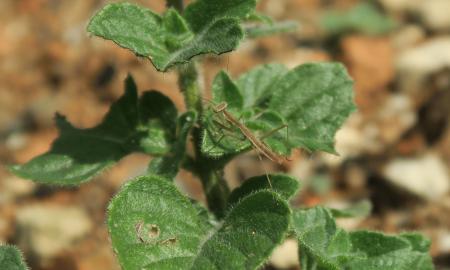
(408, 36)
(434, 14)
(361, 135)
(396, 5)
(395, 117)
(443, 241)
(286, 255)
(45, 230)
(16, 141)
(15, 187)
(356, 178)
(275, 8)
(416, 65)
(425, 176)
(370, 61)
(356, 137)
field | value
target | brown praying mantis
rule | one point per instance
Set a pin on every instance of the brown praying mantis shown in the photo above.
(257, 143)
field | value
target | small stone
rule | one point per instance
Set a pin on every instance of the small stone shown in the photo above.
(15, 187)
(416, 65)
(396, 5)
(359, 136)
(370, 61)
(408, 36)
(434, 14)
(395, 117)
(16, 141)
(356, 137)
(275, 8)
(356, 178)
(425, 176)
(45, 231)
(286, 255)
(443, 242)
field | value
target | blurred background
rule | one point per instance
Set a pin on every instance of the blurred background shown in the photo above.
(394, 152)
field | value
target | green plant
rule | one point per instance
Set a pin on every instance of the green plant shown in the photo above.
(154, 226)
(364, 18)
(11, 258)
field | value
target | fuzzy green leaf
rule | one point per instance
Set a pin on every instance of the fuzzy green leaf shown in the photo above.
(204, 12)
(315, 99)
(388, 253)
(320, 241)
(225, 90)
(311, 102)
(169, 164)
(157, 123)
(254, 85)
(220, 136)
(323, 246)
(363, 18)
(417, 241)
(11, 258)
(166, 40)
(153, 226)
(286, 186)
(132, 125)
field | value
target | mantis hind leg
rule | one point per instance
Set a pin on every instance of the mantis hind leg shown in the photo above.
(229, 129)
(216, 143)
(273, 131)
(270, 133)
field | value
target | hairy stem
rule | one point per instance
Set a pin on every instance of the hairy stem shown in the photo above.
(214, 185)
(216, 191)
(189, 85)
(177, 4)
(211, 175)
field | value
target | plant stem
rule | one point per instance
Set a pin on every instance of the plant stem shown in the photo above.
(214, 185)
(216, 191)
(189, 85)
(211, 175)
(177, 4)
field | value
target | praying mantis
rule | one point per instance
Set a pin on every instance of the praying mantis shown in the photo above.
(256, 142)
